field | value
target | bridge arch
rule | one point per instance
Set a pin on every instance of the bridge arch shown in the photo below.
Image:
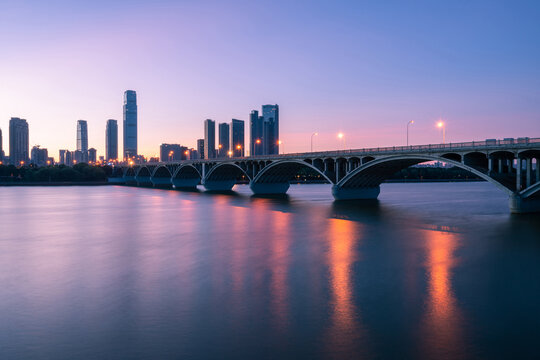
(186, 177)
(143, 176)
(161, 177)
(275, 177)
(364, 181)
(223, 176)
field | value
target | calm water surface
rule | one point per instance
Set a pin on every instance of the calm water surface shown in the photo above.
(432, 271)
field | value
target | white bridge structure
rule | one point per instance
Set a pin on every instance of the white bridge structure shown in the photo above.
(512, 165)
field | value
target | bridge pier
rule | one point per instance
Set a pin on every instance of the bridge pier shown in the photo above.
(161, 182)
(219, 185)
(519, 205)
(269, 188)
(185, 183)
(143, 181)
(341, 193)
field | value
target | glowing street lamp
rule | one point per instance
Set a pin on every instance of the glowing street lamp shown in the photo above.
(441, 125)
(409, 123)
(341, 137)
(230, 153)
(312, 135)
(279, 142)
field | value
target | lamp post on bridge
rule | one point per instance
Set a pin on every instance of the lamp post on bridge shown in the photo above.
(409, 123)
(312, 135)
(280, 143)
(341, 137)
(441, 125)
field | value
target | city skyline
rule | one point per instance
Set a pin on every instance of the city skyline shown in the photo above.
(468, 64)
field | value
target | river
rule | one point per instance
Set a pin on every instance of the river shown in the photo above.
(433, 270)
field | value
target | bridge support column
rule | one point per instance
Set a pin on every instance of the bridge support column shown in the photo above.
(537, 171)
(490, 164)
(500, 166)
(341, 193)
(509, 163)
(518, 174)
(519, 205)
(269, 188)
(528, 169)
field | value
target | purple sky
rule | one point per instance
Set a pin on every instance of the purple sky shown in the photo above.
(363, 68)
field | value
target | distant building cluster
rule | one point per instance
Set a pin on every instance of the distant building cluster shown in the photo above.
(264, 140)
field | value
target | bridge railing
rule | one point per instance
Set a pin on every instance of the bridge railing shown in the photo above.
(518, 143)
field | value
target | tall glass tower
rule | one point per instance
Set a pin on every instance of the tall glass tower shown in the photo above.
(223, 141)
(130, 124)
(237, 137)
(82, 139)
(270, 115)
(18, 141)
(209, 139)
(111, 140)
(256, 146)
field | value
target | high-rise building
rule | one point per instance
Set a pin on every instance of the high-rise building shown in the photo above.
(62, 157)
(270, 115)
(78, 156)
(172, 152)
(237, 137)
(209, 139)
(223, 140)
(256, 146)
(39, 156)
(130, 124)
(111, 140)
(69, 158)
(200, 148)
(18, 141)
(82, 139)
(92, 155)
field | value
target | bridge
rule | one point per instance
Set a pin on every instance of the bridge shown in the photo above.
(510, 164)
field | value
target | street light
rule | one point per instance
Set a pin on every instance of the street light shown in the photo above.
(279, 142)
(341, 137)
(230, 153)
(312, 135)
(441, 125)
(409, 123)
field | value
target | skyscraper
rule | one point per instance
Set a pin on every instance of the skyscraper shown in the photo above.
(82, 139)
(18, 141)
(92, 155)
(130, 124)
(270, 115)
(256, 146)
(237, 137)
(200, 148)
(39, 156)
(223, 144)
(111, 140)
(172, 152)
(62, 157)
(209, 139)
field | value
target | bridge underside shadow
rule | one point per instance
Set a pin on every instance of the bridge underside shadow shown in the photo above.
(275, 179)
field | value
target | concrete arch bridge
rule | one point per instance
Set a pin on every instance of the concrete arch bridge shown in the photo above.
(510, 164)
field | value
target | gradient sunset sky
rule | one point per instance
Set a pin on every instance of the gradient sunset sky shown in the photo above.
(362, 68)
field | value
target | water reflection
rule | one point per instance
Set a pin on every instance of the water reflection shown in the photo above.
(279, 266)
(345, 330)
(443, 322)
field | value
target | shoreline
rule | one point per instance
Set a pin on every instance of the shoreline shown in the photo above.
(56, 183)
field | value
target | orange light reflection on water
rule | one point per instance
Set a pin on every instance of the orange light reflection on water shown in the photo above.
(345, 328)
(442, 325)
